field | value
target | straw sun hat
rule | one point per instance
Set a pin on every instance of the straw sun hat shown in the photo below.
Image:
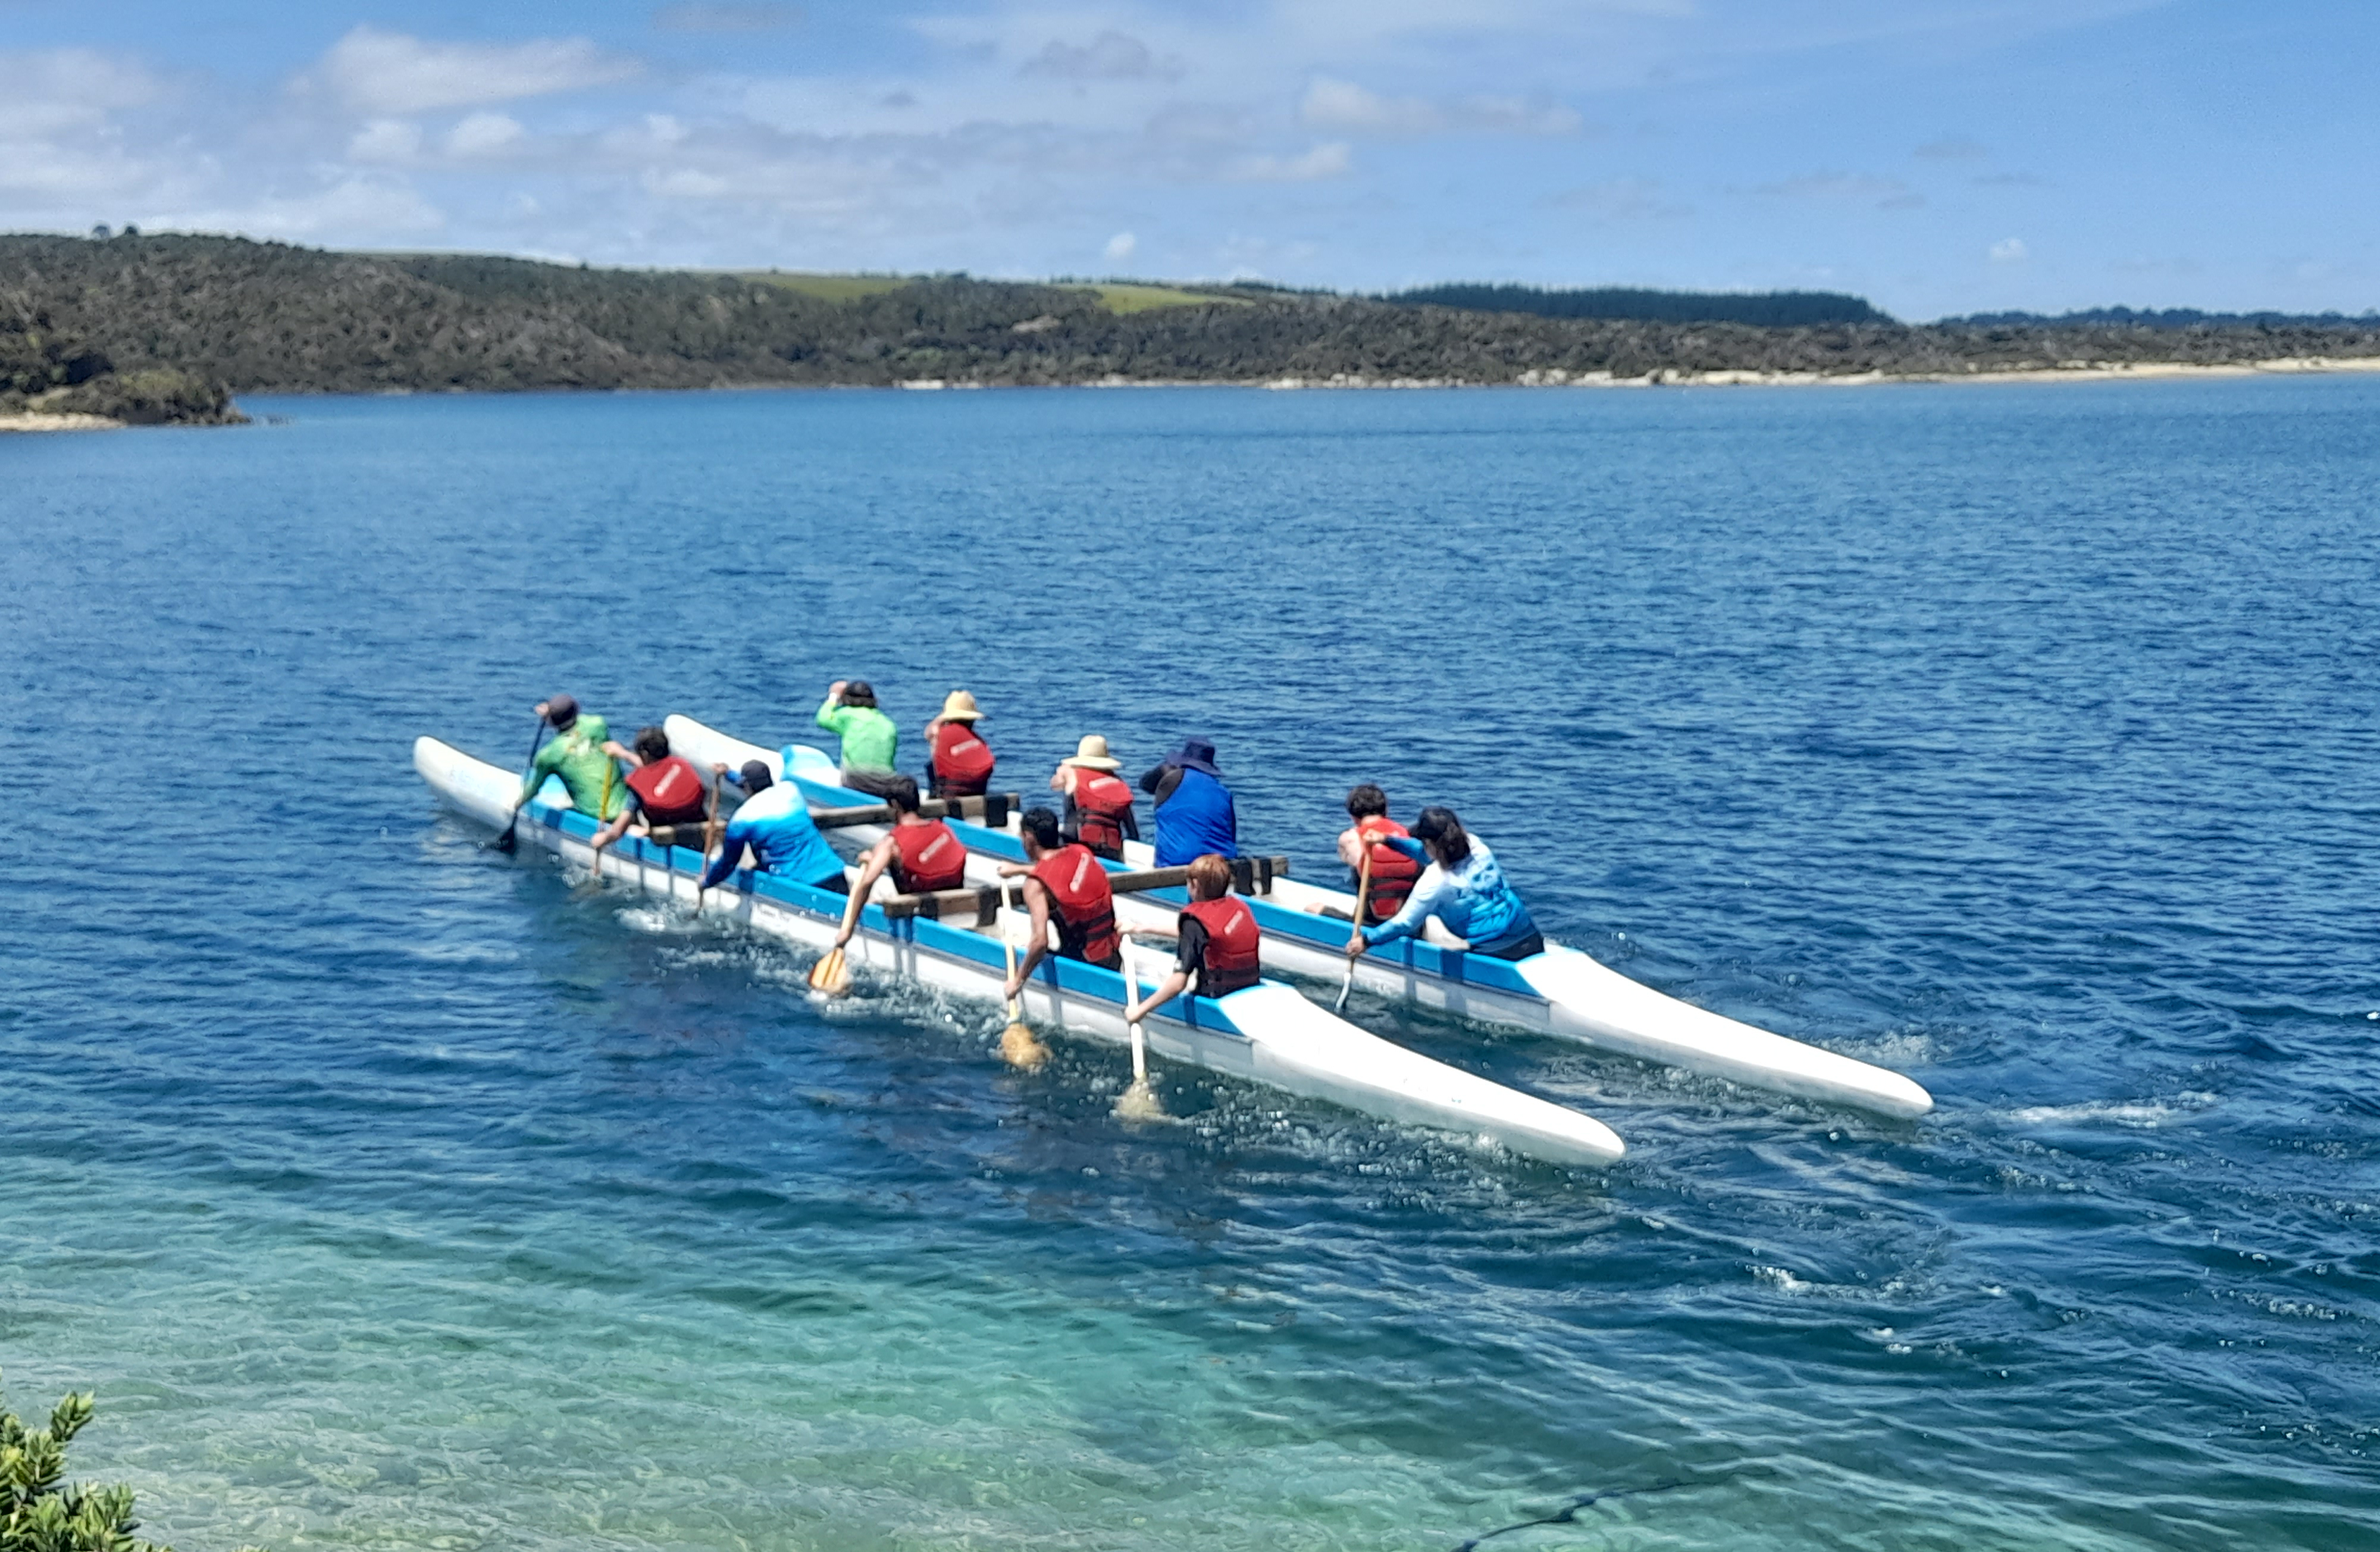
(1093, 752)
(960, 707)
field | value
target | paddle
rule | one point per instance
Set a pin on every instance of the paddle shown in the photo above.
(830, 975)
(1138, 1101)
(1363, 899)
(1018, 1046)
(509, 842)
(711, 832)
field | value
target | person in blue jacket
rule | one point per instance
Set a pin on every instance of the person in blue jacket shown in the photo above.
(1463, 886)
(1194, 809)
(774, 824)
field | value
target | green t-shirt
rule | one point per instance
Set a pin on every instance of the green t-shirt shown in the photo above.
(868, 737)
(577, 756)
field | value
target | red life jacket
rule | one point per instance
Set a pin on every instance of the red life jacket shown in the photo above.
(962, 760)
(1086, 908)
(1100, 803)
(927, 857)
(1393, 873)
(1233, 941)
(670, 790)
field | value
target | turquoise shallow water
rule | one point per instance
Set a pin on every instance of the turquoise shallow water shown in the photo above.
(393, 1194)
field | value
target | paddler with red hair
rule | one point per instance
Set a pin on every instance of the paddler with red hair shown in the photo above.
(663, 788)
(1064, 886)
(1098, 802)
(922, 854)
(1221, 942)
(958, 762)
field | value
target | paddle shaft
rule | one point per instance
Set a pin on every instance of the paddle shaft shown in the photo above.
(1362, 901)
(1131, 995)
(508, 841)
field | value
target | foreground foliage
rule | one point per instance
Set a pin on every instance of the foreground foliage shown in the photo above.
(40, 1512)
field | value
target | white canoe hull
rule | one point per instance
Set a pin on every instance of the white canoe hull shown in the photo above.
(1562, 992)
(1267, 1033)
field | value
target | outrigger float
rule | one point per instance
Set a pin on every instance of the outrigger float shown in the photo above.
(1266, 1034)
(1561, 992)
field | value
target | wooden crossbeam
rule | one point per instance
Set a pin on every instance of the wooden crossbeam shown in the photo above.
(1250, 876)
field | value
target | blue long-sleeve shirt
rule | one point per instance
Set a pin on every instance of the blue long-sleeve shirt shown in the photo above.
(1473, 900)
(776, 826)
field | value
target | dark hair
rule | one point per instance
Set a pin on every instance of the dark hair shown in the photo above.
(753, 776)
(857, 693)
(1210, 876)
(1042, 825)
(653, 744)
(1439, 830)
(1364, 800)
(902, 793)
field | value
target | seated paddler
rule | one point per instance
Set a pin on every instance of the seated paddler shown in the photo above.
(870, 741)
(774, 824)
(1462, 888)
(662, 789)
(922, 854)
(1194, 809)
(958, 761)
(1099, 804)
(576, 752)
(1219, 942)
(1392, 872)
(1067, 887)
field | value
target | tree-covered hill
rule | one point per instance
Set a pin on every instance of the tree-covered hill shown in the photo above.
(269, 318)
(1766, 310)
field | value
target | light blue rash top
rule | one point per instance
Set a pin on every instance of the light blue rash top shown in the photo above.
(1473, 900)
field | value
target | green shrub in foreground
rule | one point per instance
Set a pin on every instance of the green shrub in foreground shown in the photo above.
(39, 1515)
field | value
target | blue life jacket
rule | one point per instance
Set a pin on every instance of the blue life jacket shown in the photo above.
(1196, 819)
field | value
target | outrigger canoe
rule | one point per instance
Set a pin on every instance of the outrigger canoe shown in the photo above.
(1562, 992)
(1267, 1033)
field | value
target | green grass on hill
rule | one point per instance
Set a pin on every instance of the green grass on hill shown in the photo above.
(1125, 298)
(830, 288)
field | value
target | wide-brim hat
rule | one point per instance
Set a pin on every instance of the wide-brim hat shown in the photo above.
(960, 707)
(1092, 751)
(1196, 754)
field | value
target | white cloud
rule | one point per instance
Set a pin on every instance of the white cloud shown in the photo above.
(1330, 103)
(1337, 105)
(1119, 247)
(1111, 56)
(1326, 161)
(70, 88)
(691, 16)
(2009, 250)
(485, 134)
(391, 73)
(1846, 188)
(1619, 199)
(353, 208)
(385, 140)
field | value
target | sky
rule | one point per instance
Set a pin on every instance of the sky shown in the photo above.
(1936, 156)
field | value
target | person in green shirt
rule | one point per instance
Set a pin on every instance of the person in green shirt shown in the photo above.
(869, 739)
(580, 753)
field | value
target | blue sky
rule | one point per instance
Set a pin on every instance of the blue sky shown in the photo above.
(1938, 156)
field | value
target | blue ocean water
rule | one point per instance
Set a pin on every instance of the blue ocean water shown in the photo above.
(395, 1193)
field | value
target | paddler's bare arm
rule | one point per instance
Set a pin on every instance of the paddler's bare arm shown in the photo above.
(1167, 990)
(873, 863)
(1037, 899)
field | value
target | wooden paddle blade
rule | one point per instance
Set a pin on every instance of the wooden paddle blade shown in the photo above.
(1139, 1102)
(830, 975)
(1018, 1048)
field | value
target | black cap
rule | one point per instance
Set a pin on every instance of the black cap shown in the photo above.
(562, 710)
(754, 776)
